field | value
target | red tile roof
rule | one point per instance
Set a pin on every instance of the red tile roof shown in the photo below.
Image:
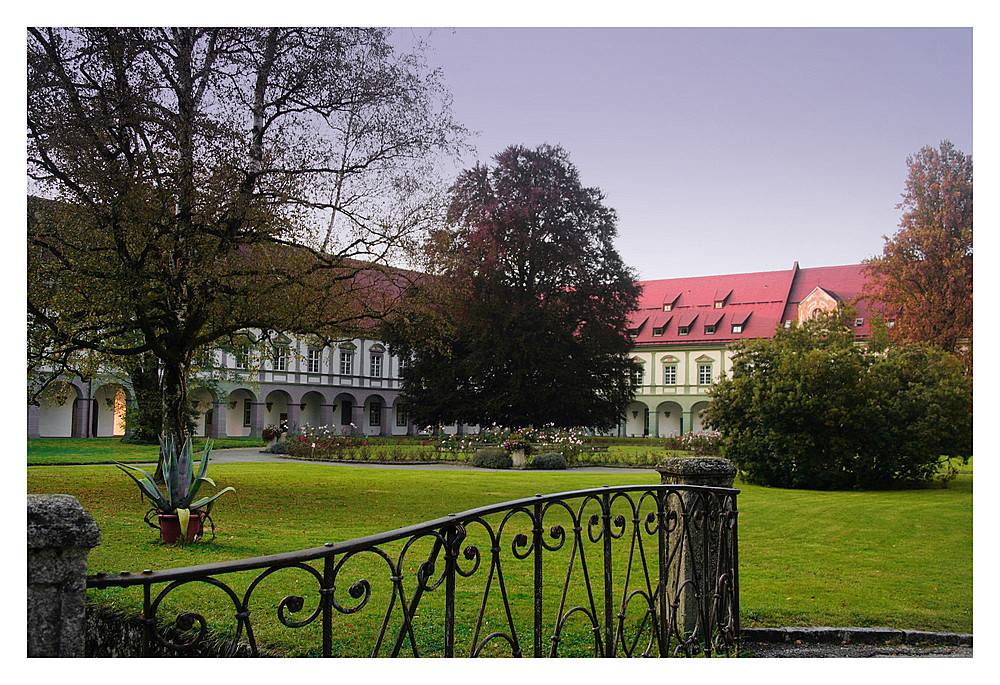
(759, 301)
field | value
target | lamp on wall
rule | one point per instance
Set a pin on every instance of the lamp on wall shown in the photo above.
(666, 415)
(635, 414)
(268, 405)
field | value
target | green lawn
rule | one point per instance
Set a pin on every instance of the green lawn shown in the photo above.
(52, 451)
(896, 558)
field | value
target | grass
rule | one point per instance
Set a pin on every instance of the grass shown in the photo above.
(898, 558)
(54, 451)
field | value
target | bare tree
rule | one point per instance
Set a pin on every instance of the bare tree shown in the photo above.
(196, 182)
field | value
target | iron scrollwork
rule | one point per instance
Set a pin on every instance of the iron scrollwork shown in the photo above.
(614, 571)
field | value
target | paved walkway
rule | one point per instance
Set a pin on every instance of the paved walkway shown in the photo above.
(254, 454)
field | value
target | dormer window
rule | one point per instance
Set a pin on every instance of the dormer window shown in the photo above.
(658, 332)
(683, 330)
(858, 323)
(710, 330)
(737, 328)
(667, 306)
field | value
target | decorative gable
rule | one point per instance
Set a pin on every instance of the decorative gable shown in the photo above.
(819, 301)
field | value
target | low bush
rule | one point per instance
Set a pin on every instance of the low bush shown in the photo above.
(492, 458)
(280, 447)
(548, 461)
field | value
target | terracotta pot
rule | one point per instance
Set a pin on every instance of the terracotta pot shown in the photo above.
(170, 527)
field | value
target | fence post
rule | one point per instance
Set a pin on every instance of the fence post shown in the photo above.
(692, 557)
(60, 535)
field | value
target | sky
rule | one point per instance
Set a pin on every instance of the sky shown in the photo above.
(722, 150)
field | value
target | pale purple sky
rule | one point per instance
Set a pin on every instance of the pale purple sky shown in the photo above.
(722, 150)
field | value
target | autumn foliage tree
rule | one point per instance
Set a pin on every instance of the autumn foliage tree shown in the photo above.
(197, 182)
(922, 281)
(522, 317)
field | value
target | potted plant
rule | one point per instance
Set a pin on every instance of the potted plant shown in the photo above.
(179, 514)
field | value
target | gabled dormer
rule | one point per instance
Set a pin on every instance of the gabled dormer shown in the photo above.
(670, 301)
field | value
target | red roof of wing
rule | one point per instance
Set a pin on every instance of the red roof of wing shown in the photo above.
(760, 301)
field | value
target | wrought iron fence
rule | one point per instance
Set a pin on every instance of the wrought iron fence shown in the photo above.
(615, 571)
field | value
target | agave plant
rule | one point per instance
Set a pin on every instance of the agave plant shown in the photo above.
(181, 485)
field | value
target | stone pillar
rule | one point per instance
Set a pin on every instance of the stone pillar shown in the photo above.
(385, 416)
(326, 415)
(220, 411)
(690, 508)
(60, 535)
(83, 417)
(34, 420)
(358, 419)
(257, 413)
(294, 416)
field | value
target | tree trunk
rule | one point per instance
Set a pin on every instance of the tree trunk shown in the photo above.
(175, 404)
(145, 421)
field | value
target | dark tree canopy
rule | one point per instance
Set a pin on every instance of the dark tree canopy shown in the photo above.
(522, 318)
(812, 409)
(198, 182)
(922, 281)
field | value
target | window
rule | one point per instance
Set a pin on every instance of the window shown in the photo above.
(859, 323)
(246, 413)
(280, 358)
(400, 416)
(667, 306)
(313, 359)
(638, 375)
(710, 330)
(346, 363)
(242, 357)
(670, 374)
(683, 330)
(737, 328)
(658, 332)
(376, 367)
(375, 414)
(718, 304)
(704, 374)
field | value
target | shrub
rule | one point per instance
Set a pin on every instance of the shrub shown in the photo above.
(810, 409)
(278, 448)
(492, 458)
(548, 461)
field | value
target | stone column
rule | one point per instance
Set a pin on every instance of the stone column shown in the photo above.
(34, 420)
(60, 535)
(358, 419)
(326, 415)
(692, 508)
(220, 411)
(385, 428)
(257, 411)
(294, 416)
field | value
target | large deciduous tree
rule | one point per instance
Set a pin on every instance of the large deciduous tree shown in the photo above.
(197, 182)
(522, 317)
(922, 281)
(812, 409)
